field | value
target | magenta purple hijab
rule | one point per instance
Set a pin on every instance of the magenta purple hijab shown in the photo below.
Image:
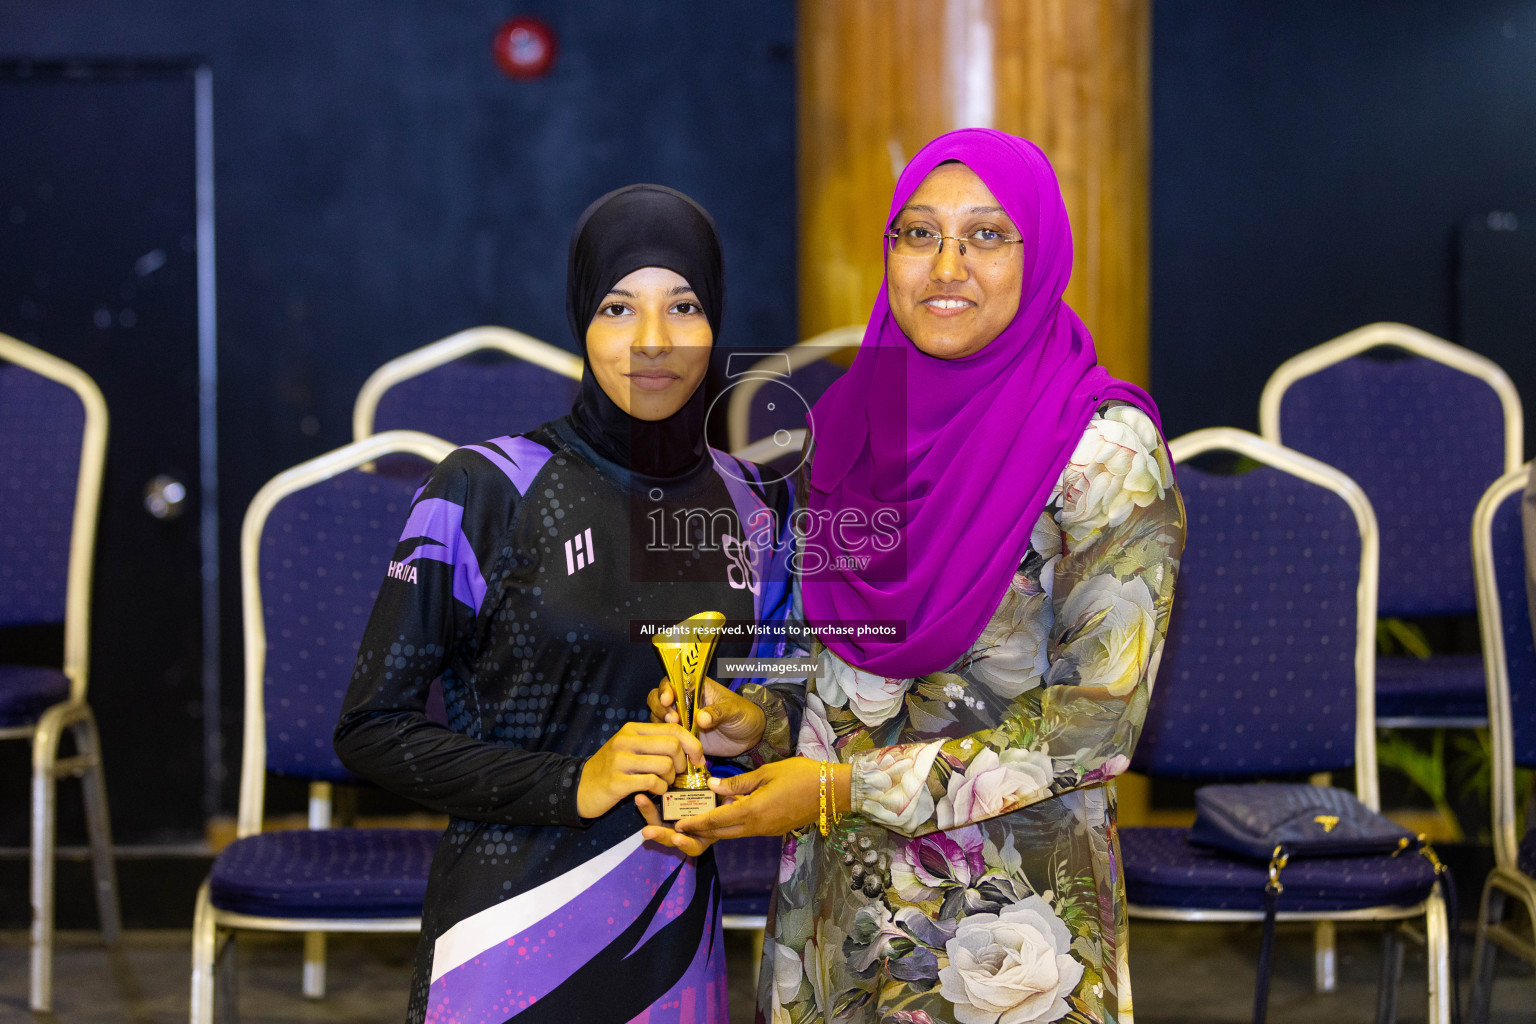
(964, 452)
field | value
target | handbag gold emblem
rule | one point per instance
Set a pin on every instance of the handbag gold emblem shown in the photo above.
(1328, 821)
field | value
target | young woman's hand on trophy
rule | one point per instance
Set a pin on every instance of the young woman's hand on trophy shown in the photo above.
(728, 724)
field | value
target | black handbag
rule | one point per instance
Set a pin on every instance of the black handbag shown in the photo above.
(1277, 821)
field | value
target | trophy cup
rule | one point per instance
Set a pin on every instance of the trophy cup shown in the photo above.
(686, 649)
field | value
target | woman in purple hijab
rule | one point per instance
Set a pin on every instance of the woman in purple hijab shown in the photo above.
(988, 548)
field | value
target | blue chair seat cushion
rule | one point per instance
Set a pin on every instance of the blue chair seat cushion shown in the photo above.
(26, 691)
(1163, 869)
(1526, 856)
(327, 873)
(749, 870)
(1442, 686)
(747, 906)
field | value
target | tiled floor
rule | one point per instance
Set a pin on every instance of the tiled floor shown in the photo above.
(1184, 974)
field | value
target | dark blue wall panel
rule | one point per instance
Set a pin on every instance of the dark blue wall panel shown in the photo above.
(1311, 162)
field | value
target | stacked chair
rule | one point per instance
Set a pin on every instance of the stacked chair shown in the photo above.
(53, 442)
(1499, 558)
(479, 383)
(1424, 427)
(1266, 674)
(314, 547)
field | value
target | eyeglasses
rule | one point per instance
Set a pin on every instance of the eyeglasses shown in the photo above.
(917, 241)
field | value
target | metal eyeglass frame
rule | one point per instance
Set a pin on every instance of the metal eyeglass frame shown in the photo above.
(893, 236)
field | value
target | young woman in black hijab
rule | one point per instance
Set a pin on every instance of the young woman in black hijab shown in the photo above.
(521, 569)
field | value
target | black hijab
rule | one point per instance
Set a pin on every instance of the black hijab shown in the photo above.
(627, 229)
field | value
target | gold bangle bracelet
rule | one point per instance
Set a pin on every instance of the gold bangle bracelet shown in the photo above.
(822, 818)
(837, 819)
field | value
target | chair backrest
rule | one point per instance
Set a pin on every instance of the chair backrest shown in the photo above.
(53, 445)
(1509, 653)
(314, 548)
(480, 383)
(798, 376)
(1269, 665)
(1423, 426)
(779, 454)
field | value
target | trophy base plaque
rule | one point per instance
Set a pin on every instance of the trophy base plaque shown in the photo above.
(685, 803)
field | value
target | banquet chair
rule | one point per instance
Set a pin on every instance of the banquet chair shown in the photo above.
(314, 547)
(1423, 426)
(53, 441)
(1266, 674)
(1498, 558)
(798, 375)
(479, 383)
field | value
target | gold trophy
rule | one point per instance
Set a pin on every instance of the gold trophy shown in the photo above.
(686, 650)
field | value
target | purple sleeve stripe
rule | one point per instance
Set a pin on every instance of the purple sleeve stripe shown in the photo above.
(770, 562)
(742, 496)
(439, 523)
(748, 506)
(468, 584)
(519, 458)
(430, 550)
(775, 601)
(727, 465)
(436, 519)
(498, 460)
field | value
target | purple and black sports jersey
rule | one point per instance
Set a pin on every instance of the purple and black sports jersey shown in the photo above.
(520, 569)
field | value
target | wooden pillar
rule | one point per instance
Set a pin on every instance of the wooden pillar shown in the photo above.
(878, 78)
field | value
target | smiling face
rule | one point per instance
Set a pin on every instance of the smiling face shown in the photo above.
(648, 343)
(952, 305)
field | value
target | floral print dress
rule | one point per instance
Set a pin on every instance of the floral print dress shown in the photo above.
(977, 877)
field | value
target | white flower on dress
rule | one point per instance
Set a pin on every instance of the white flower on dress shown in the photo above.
(786, 973)
(992, 783)
(1045, 541)
(872, 698)
(1118, 465)
(1012, 648)
(817, 740)
(896, 784)
(1112, 627)
(1012, 967)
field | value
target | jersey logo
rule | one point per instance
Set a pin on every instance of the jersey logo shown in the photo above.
(402, 571)
(578, 552)
(738, 570)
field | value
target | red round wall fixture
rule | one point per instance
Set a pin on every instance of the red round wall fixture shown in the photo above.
(524, 48)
